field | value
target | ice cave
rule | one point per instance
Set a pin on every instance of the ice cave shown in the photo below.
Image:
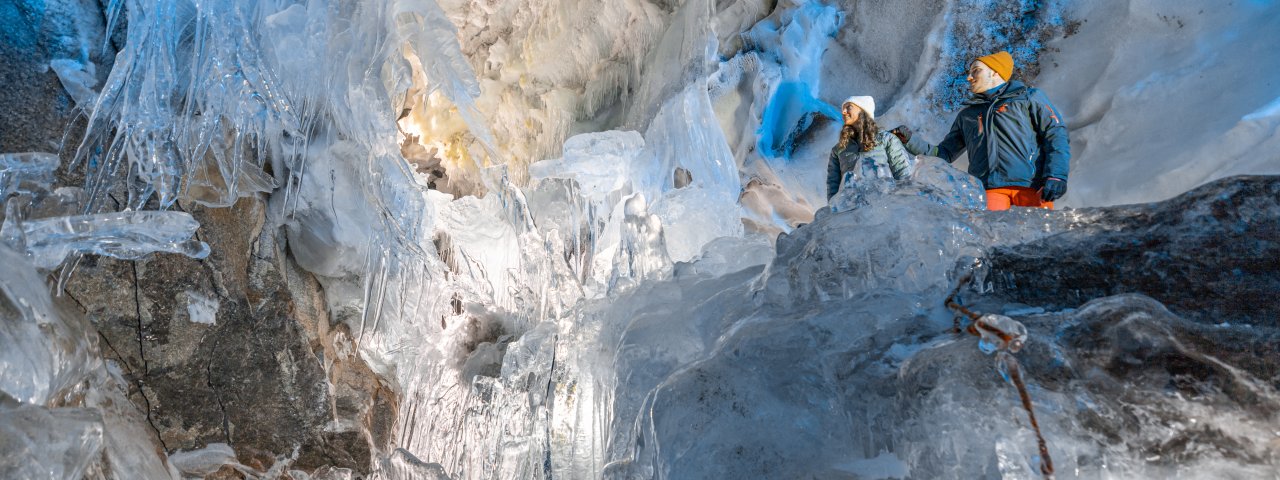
(591, 239)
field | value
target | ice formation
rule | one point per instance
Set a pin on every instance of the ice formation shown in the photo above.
(612, 279)
(43, 223)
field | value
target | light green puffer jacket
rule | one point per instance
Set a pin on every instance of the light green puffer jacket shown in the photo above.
(888, 152)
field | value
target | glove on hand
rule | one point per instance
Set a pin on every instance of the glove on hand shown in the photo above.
(903, 133)
(1053, 189)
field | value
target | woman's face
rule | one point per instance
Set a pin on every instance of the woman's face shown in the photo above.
(851, 113)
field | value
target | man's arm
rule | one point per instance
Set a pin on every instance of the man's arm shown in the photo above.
(950, 148)
(1051, 132)
(833, 175)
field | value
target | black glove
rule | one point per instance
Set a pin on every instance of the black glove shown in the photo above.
(903, 133)
(1053, 189)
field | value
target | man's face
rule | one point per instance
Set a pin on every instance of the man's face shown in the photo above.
(982, 78)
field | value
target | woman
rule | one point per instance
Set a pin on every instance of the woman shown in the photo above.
(864, 150)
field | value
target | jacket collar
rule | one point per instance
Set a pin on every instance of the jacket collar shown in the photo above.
(1010, 89)
(993, 92)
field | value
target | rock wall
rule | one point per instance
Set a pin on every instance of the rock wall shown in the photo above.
(1210, 254)
(34, 107)
(237, 348)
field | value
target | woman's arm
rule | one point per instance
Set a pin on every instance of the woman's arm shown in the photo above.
(899, 163)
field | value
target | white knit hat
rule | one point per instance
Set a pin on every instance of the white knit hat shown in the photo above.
(867, 104)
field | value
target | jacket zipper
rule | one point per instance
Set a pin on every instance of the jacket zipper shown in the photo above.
(981, 124)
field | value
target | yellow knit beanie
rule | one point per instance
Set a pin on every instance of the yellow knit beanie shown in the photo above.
(1001, 62)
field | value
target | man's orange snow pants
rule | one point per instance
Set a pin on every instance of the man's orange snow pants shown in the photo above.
(1004, 197)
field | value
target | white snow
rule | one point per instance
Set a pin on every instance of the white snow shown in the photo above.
(77, 78)
(201, 309)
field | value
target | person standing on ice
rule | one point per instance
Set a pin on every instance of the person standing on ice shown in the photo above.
(864, 151)
(1016, 140)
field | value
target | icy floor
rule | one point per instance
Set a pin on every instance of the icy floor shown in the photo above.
(836, 360)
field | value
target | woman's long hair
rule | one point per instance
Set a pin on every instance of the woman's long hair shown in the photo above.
(863, 130)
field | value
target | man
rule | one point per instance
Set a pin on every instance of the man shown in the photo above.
(1016, 140)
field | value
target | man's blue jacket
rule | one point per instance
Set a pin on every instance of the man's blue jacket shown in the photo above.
(1014, 136)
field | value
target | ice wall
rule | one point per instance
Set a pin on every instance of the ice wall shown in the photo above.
(211, 101)
(1161, 98)
(545, 73)
(766, 99)
(794, 42)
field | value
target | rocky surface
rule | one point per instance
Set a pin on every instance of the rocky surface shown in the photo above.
(1161, 332)
(34, 107)
(1210, 254)
(237, 348)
